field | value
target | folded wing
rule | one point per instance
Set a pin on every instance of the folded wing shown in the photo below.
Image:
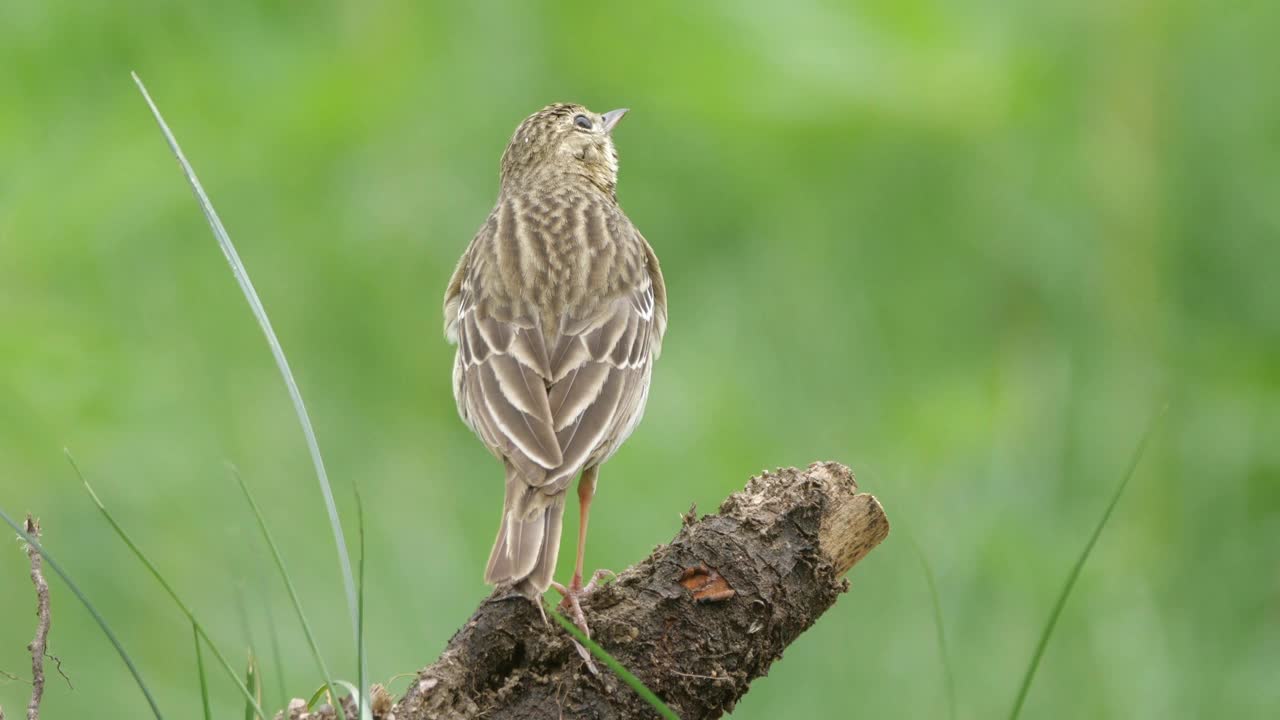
(551, 413)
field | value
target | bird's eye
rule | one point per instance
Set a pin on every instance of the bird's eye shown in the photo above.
(582, 121)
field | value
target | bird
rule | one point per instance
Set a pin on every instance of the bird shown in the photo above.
(558, 309)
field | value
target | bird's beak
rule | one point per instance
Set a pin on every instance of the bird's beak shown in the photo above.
(612, 117)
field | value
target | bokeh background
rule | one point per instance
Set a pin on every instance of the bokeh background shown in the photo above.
(968, 249)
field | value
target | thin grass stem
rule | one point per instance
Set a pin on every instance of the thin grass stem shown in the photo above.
(362, 698)
(97, 617)
(155, 573)
(277, 657)
(634, 682)
(277, 351)
(943, 655)
(252, 680)
(1075, 571)
(204, 680)
(288, 583)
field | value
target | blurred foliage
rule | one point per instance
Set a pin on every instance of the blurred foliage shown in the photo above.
(966, 248)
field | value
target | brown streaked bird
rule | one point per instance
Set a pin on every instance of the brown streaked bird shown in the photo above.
(558, 309)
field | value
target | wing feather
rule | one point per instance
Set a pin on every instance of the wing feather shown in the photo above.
(601, 380)
(551, 400)
(572, 396)
(588, 432)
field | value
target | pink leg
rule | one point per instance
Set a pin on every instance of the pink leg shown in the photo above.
(576, 590)
(586, 491)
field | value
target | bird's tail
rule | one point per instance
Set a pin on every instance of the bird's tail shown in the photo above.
(528, 543)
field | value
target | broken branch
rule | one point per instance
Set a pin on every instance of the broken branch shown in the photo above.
(40, 642)
(697, 620)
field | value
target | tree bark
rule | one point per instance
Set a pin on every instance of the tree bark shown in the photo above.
(696, 621)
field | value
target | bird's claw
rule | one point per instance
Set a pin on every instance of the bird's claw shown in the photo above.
(596, 577)
(573, 605)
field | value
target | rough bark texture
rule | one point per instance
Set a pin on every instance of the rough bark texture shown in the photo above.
(697, 620)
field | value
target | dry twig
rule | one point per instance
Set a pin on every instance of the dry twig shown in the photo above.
(40, 642)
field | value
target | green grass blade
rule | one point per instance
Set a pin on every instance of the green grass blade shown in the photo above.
(97, 617)
(362, 697)
(242, 615)
(288, 583)
(204, 680)
(319, 693)
(355, 694)
(943, 655)
(644, 692)
(277, 351)
(1075, 571)
(155, 573)
(253, 681)
(276, 657)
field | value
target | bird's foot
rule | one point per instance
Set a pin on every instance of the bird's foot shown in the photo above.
(572, 603)
(596, 579)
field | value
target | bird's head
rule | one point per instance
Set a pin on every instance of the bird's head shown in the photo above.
(563, 141)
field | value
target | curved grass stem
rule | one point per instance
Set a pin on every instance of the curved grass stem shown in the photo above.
(1075, 570)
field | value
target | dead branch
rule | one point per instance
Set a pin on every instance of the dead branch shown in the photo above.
(696, 621)
(39, 644)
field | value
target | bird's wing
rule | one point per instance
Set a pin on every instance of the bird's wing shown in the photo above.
(500, 381)
(658, 290)
(552, 403)
(600, 367)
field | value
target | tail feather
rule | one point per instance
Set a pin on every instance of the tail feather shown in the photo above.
(528, 543)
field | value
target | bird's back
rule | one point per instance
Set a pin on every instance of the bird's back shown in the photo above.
(561, 283)
(557, 254)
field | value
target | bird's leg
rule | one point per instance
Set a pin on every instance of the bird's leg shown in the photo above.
(576, 590)
(575, 610)
(586, 491)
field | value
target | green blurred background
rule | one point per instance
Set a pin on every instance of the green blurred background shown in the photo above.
(966, 248)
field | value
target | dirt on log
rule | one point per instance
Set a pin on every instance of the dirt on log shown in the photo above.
(696, 621)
